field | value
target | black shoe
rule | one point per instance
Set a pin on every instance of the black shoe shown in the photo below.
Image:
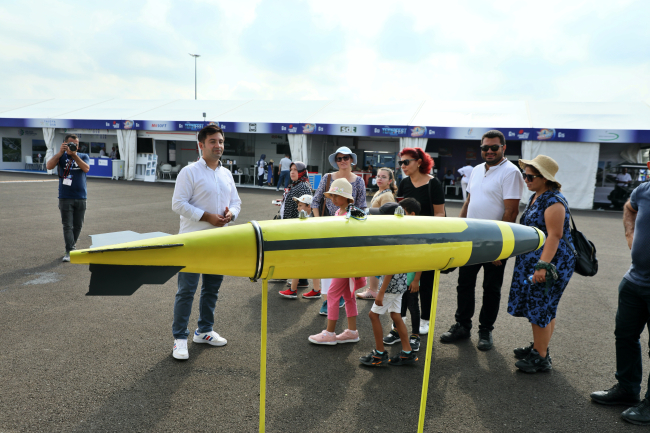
(639, 414)
(414, 341)
(392, 338)
(522, 352)
(485, 341)
(615, 395)
(455, 333)
(403, 358)
(374, 358)
(534, 363)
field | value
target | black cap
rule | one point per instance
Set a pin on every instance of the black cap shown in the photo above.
(385, 209)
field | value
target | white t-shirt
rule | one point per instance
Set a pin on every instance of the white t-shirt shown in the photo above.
(622, 178)
(285, 164)
(489, 189)
(465, 172)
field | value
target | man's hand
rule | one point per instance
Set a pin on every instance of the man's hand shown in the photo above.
(497, 263)
(63, 149)
(216, 219)
(414, 287)
(228, 215)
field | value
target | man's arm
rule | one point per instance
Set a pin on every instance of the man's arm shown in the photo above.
(463, 211)
(629, 219)
(80, 162)
(52, 162)
(511, 210)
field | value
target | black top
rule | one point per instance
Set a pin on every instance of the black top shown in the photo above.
(421, 194)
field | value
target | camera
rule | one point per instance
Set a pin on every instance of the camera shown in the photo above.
(72, 146)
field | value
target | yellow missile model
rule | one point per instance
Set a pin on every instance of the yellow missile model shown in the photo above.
(335, 247)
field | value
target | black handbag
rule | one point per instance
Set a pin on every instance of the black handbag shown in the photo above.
(583, 248)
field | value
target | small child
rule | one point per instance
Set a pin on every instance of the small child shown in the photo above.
(410, 298)
(304, 203)
(340, 193)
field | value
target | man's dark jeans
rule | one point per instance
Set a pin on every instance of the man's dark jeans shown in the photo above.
(72, 218)
(492, 282)
(631, 317)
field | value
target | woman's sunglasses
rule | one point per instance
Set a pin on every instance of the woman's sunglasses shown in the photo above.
(342, 158)
(405, 162)
(493, 148)
(530, 177)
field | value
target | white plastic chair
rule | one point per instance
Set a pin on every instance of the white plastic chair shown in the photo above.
(29, 163)
(166, 169)
(175, 170)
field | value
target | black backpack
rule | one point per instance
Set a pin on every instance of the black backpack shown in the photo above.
(583, 248)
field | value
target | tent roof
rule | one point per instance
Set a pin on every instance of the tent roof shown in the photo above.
(504, 114)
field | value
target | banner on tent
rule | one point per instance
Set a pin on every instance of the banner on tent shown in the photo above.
(454, 133)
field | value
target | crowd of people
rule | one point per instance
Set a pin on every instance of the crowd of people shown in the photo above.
(494, 189)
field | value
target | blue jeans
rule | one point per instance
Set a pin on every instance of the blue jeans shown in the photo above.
(283, 179)
(187, 284)
(631, 317)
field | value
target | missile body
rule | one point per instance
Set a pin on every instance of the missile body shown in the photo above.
(333, 247)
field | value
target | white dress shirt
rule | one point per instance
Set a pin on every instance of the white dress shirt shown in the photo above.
(466, 172)
(201, 189)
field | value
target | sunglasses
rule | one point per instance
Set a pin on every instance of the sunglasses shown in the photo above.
(493, 148)
(343, 158)
(530, 177)
(405, 162)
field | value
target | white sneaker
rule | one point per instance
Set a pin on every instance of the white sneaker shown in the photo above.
(180, 349)
(66, 258)
(424, 326)
(211, 338)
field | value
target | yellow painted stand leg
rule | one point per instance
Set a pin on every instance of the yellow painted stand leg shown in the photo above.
(427, 363)
(265, 295)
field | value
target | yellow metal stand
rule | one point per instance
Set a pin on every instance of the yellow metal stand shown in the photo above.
(427, 363)
(265, 295)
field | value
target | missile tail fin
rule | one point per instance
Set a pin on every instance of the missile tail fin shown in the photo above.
(124, 280)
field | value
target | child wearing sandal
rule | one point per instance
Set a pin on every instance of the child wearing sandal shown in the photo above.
(340, 193)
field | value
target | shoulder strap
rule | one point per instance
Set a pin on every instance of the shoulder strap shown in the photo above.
(572, 223)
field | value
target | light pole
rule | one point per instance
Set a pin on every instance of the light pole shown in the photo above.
(195, 56)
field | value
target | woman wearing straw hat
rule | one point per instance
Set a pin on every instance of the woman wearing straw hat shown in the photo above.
(343, 159)
(540, 277)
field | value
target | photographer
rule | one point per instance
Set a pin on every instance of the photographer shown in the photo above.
(72, 189)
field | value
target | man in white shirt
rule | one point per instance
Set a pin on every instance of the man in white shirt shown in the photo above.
(493, 193)
(285, 172)
(205, 197)
(623, 179)
(465, 172)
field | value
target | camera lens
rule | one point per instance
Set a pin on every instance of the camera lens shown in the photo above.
(72, 147)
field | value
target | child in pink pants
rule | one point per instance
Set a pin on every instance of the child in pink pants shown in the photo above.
(340, 193)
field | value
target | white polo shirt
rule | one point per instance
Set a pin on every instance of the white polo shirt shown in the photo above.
(489, 188)
(201, 189)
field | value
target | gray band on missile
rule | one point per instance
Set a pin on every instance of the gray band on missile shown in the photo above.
(526, 244)
(259, 242)
(485, 236)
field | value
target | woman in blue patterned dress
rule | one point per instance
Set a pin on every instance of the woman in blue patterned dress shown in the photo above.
(550, 268)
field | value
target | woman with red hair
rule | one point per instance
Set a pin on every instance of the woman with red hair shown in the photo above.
(426, 189)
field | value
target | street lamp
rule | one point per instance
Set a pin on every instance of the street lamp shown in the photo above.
(195, 56)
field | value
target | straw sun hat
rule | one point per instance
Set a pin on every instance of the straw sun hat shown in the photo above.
(546, 166)
(340, 187)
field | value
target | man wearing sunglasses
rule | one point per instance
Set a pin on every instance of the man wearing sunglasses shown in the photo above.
(493, 193)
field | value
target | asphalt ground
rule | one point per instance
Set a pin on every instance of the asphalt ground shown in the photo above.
(71, 363)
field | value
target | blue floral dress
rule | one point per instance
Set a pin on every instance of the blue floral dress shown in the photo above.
(529, 300)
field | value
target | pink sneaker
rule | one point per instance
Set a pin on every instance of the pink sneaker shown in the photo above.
(368, 294)
(324, 337)
(347, 336)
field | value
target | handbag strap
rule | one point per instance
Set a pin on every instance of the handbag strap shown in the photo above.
(572, 222)
(323, 206)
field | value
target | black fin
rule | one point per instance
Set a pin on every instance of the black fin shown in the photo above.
(124, 280)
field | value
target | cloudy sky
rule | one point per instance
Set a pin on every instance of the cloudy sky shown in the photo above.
(560, 50)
